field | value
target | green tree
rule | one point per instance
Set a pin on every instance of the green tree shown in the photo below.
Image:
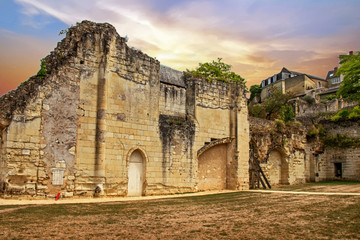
(350, 69)
(257, 110)
(275, 102)
(273, 106)
(216, 70)
(254, 90)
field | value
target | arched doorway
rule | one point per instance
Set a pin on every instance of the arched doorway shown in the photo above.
(277, 168)
(136, 174)
(212, 168)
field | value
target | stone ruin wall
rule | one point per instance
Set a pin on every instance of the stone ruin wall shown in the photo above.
(303, 108)
(281, 152)
(287, 156)
(102, 101)
(217, 103)
(327, 157)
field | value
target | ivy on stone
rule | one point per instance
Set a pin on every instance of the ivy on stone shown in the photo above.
(43, 69)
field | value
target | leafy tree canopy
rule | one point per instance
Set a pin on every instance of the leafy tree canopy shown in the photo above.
(254, 90)
(275, 102)
(217, 70)
(350, 68)
(275, 106)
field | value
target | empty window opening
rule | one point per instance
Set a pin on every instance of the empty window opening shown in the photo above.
(338, 170)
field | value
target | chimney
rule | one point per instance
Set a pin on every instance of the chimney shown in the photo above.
(335, 70)
(351, 53)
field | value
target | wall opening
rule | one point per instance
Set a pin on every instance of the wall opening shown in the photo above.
(212, 168)
(277, 168)
(136, 174)
(338, 170)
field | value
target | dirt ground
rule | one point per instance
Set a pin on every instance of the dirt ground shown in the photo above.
(328, 187)
(230, 215)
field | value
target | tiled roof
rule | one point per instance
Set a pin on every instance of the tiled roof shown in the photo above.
(299, 73)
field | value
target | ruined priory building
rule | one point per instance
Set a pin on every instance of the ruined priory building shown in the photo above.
(106, 119)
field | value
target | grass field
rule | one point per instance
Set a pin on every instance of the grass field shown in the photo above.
(239, 215)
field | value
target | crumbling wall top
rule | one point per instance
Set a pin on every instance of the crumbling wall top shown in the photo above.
(172, 76)
(75, 44)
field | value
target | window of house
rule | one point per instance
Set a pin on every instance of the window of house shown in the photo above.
(335, 80)
(319, 84)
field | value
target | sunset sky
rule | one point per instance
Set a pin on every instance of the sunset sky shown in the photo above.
(257, 37)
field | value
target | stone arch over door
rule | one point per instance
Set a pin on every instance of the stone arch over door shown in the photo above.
(277, 168)
(136, 173)
(213, 165)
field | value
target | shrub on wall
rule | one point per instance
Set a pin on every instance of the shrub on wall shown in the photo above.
(316, 131)
(321, 130)
(347, 114)
(309, 100)
(257, 110)
(280, 125)
(216, 70)
(355, 113)
(287, 114)
(341, 141)
(331, 97)
(313, 132)
(43, 69)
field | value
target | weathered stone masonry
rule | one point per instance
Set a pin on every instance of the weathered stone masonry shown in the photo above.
(288, 156)
(110, 120)
(336, 163)
(281, 151)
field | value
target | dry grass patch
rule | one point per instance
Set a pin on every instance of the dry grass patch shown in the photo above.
(241, 215)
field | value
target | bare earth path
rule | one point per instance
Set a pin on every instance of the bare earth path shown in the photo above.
(125, 199)
(103, 199)
(295, 212)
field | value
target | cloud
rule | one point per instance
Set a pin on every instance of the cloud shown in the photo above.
(256, 37)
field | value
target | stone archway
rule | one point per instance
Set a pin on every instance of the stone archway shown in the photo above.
(136, 174)
(277, 168)
(212, 170)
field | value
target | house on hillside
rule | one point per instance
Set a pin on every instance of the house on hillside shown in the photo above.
(333, 82)
(290, 81)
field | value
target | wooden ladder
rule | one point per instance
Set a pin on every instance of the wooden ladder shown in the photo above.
(257, 174)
